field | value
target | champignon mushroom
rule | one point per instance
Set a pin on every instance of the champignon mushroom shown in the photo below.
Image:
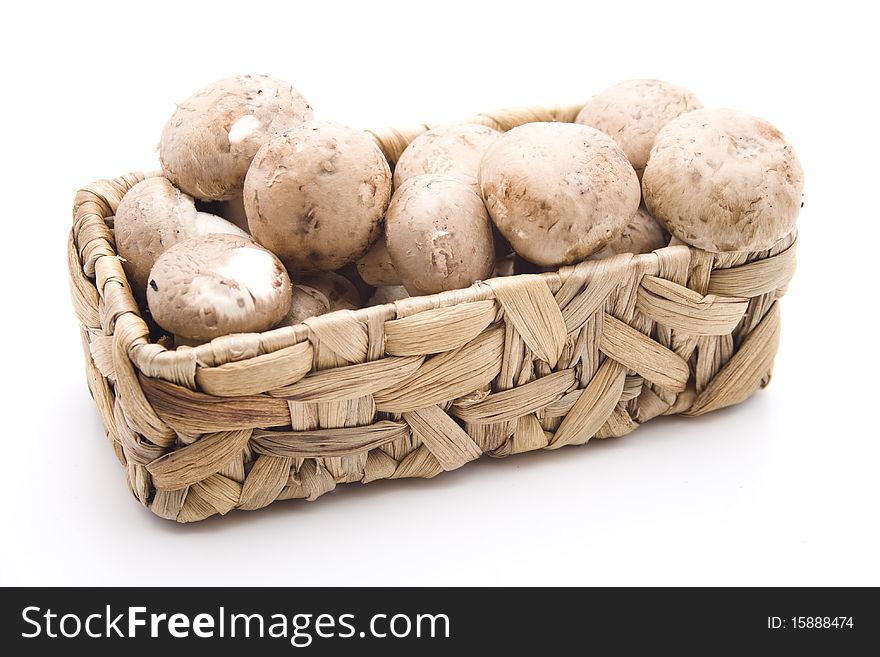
(350, 273)
(305, 302)
(438, 235)
(209, 286)
(641, 235)
(723, 180)
(558, 192)
(320, 294)
(210, 140)
(388, 294)
(339, 291)
(452, 150)
(152, 217)
(632, 113)
(376, 268)
(316, 195)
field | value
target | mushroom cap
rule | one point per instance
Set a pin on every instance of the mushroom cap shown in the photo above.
(152, 217)
(305, 302)
(452, 150)
(376, 268)
(212, 136)
(388, 294)
(316, 195)
(319, 294)
(723, 180)
(641, 235)
(633, 112)
(209, 286)
(558, 192)
(439, 235)
(338, 290)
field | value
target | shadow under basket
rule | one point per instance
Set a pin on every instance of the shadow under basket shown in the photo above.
(424, 385)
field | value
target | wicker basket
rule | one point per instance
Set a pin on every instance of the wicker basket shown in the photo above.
(423, 385)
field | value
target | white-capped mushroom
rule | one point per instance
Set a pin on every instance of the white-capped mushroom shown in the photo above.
(210, 140)
(152, 217)
(558, 192)
(316, 195)
(209, 286)
(633, 112)
(723, 180)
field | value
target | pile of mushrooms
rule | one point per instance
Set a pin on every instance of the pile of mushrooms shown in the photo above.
(264, 217)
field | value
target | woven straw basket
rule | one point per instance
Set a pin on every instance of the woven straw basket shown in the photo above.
(424, 385)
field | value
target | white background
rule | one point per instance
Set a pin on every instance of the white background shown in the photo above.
(780, 490)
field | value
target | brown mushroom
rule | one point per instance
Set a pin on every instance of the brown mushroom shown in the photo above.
(633, 112)
(376, 268)
(209, 286)
(388, 294)
(641, 235)
(438, 235)
(316, 195)
(339, 291)
(558, 192)
(723, 180)
(152, 217)
(452, 150)
(305, 302)
(319, 294)
(210, 140)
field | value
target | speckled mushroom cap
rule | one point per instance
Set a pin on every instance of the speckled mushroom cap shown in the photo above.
(452, 150)
(210, 140)
(633, 112)
(439, 235)
(209, 286)
(152, 217)
(558, 192)
(641, 235)
(316, 195)
(723, 180)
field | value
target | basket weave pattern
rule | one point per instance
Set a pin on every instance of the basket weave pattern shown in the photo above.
(424, 385)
